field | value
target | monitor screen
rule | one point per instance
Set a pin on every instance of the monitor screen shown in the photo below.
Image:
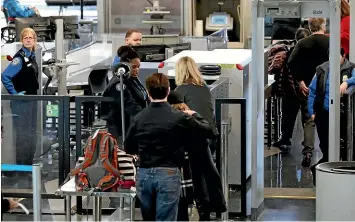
(151, 53)
(219, 20)
(41, 25)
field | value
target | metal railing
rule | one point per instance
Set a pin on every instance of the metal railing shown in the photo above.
(347, 131)
(222, 150)
(62, 128)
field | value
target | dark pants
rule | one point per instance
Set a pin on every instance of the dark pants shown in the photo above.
(207, 183)
(322, 123)
(25, 125)
(158, 189)
(290, 108)
(183, 211)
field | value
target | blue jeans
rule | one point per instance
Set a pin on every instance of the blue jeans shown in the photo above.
(159, 192)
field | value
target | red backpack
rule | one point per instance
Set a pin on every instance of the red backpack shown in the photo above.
(100, 169)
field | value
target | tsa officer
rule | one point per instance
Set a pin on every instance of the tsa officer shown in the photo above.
(133, 38)
(21, 78)
(135, 95)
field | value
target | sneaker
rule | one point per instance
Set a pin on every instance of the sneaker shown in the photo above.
(307, 159)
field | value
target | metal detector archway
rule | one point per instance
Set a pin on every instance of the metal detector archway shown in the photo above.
(291, 9)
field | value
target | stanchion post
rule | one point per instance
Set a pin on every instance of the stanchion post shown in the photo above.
(97, 208)
(224, 165)
(37, 192)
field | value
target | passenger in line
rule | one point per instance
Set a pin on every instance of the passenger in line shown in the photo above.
(21, 78)
(207, 185)
(196, 95)
(135, 95)
(309, 53)
(133, 38)
(286, 87)
(195, 92)
(16, 10)
(318, 101)
(158, 135)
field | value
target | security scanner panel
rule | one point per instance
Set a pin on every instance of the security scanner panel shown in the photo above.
(70, 2)
(218, 20)
(41, 25)
(294, 9)
(280, 11)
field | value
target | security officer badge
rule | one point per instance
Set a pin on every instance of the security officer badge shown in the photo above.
(15, 61)
(118, 86)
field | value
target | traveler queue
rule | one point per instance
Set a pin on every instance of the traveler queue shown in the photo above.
(301, 70)
(164, 137)
(160, 135)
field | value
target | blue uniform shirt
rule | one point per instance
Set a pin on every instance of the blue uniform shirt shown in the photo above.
(12, 70)
(16, 10)
(116, 60)
(312, 92)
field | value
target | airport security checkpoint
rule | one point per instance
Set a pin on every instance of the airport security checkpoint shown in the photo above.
(167, 110)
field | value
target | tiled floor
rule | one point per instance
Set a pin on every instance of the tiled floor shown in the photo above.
(289, 192)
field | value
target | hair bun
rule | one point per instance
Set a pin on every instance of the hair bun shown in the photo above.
(124, 49)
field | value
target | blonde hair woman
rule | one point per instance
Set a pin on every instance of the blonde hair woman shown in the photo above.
(195, 92)
(21, 78)
(197, 96)
(187, 72)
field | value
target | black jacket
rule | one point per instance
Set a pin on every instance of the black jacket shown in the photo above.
(159, 134)
(199, 99)
(322, 75)
(307, 55)
(27, 79)
(135, 99)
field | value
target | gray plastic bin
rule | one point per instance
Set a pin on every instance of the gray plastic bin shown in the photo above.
(335, 191)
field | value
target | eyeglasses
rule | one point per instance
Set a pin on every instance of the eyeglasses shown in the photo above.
(28, 38)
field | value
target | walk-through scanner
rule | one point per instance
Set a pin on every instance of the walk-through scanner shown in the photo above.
(291, 9)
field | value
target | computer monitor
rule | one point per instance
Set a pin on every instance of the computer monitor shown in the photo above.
(151, 53)
(218, 19)
(41, 25)
(71, 26)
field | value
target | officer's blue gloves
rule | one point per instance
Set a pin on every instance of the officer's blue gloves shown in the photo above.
(21, 93)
